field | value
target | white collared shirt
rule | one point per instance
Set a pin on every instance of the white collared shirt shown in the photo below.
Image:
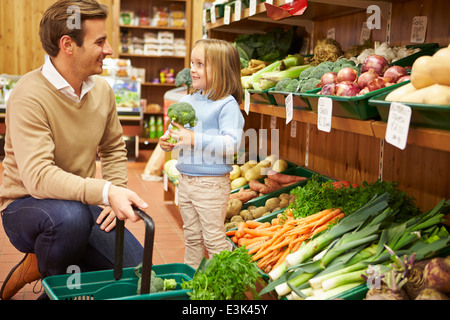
(51, 74)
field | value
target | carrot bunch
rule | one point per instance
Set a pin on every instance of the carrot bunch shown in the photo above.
(271, 242)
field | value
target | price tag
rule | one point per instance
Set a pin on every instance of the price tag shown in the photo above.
(398, 125)
(324, 112)
(237, 10)
(252, 10)
(246, 101)
(166, 182)
(271, 1)
(289, 107)
(273, 122)
(212, 13)
(419, 29)
(294, 129)
(227, 15)
(204, 17)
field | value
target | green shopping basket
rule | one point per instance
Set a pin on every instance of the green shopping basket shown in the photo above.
(121, 283)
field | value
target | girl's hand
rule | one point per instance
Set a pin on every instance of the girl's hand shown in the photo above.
(166, 146)
(185, 137)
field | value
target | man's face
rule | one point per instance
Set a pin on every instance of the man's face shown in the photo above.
(88, 59)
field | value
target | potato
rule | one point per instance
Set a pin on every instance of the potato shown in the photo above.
(231, 225)
(235, 173)
(258, 212)
(233, 208)
(280, 165)
(247, 166)
(272, 203)
(246, 215)
(276, 209)
(239, 182)
(250, 208)
(284, 203)
(284, 196)
(258, 171)
(236, 218)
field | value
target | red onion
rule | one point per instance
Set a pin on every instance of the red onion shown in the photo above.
(376, 84)
(365, 77)
(395, 72)
(328, 89)
(347, 89)
(347, 74)
(404, 78)
(363, 91)
(329, 77)
(378, 63)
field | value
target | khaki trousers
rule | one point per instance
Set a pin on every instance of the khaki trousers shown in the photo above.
(203, 203)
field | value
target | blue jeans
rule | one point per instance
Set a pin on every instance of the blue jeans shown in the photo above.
(63, 233)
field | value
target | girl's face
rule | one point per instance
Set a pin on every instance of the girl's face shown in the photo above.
(199, 69)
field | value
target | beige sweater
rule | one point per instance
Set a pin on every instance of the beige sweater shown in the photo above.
(51, 143)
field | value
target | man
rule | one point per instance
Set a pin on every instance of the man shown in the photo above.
(58, 118)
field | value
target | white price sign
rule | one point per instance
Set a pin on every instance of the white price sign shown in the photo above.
(324, 113)
(252, 10)
(289, 107)
(246, 101)
(237, 10)
(227, 15)
(398, 122)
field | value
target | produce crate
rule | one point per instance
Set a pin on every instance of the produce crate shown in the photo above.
(356, 107)
(261, 97)
(121, 284)
(427, 49)
(290, 165)
(297, 101)
(423, 115)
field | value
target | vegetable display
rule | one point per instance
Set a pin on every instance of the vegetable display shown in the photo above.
(182, 113)
(430, 81)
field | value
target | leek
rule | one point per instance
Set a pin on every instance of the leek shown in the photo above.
(316, 282)
(323, 295)
(355, 276)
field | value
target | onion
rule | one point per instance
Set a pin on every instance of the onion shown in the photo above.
(365, 77)
(329, 77)
(376, 84)
(378, 63)
(404, 78)
(347, 74)
(347, 89)
(328, 89)
(363, 91)
(395, 73)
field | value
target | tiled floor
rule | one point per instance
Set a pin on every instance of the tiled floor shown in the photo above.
(168, 242)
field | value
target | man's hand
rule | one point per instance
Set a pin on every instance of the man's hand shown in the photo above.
(107, 219)
(121, 200)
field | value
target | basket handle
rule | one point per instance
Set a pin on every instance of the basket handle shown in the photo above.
(148, 249)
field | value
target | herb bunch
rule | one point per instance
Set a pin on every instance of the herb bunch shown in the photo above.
(228, 275)
(316, 196)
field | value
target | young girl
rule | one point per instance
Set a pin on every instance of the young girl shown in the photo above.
(207, 149)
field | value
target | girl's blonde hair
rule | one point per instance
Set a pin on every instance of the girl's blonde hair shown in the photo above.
(225, 66)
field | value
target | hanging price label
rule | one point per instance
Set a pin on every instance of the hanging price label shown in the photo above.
(289, 107)
(398, 123)
(246, 101)
(227, 15)
(324, 113)
(252, 9)
(212, 13)
(419, 29)
(237, 10)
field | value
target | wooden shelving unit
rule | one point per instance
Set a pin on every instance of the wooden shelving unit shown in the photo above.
(354, 150)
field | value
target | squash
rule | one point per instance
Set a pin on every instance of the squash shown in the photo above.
(396, 94)
(435, 94)
(439, 67)
(420, 76)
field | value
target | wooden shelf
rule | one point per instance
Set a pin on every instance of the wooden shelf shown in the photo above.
(424, 137)
(168, 28)
(132, 55)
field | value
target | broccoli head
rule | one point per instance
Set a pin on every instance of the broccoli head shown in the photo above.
(156, 285)
(182, 113)
(183, 77)
(170, 284)
(308, 84)
(281, 85)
